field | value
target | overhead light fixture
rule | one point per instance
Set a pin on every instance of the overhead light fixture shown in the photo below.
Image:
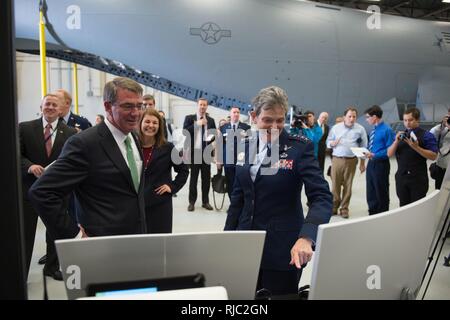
(119, 64)
(104, 61)
(446, 1)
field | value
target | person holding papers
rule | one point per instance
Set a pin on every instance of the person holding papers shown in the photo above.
(378, 168)
(41, 142)
(342, 137)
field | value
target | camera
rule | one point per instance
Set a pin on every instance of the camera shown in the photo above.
(299, 119)
(448, 120)
(403, 136)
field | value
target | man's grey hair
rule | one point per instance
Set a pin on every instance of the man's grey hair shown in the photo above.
(270, 98)
(110, 90)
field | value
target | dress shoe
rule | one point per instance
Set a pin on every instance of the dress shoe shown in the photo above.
(207, 206)
(191, 207)
(43, 259)
(57, 275)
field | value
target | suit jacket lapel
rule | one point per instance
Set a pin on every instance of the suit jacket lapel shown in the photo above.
(112, 150)
(59, 138)
(38, 130)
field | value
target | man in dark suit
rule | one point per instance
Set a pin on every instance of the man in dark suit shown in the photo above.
(322, 122)
(41, 141)
(71, 119)
(103, 166)
(199, 127)
(74, 121)
(232, 132)
(270, 174)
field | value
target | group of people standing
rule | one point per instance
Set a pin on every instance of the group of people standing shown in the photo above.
(102, 169)
(119, 172)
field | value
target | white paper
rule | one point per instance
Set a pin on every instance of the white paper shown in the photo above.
(359, 152)
(48, 166)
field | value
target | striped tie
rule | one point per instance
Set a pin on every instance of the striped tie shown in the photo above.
(372, 134)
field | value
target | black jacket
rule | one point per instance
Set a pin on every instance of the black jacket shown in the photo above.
(92, 166)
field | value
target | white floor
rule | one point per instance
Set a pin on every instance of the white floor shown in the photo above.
(203, 220)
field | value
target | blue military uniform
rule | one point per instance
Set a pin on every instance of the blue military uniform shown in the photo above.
(76, 121)
(230, 165)
(272, 202)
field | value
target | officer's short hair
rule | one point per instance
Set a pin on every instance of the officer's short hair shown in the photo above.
(66, 95)
(414, 112)
(110, 90)
(270, 97)
(203, 99)
(374, 111)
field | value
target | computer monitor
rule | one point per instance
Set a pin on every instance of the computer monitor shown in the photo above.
(378, 256)
(145, 286)
(230, 259)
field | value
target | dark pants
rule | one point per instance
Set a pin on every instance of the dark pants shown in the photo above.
(30, 222)
(230, 172)
(206, 181)
(279, 282)
(439, 177)
(377, 185)
(52, 262)
(321, 155)
(411, 187)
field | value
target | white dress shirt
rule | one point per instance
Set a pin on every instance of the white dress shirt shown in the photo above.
(198, 133)
(262, 151)
(53, 130)
(119, 137)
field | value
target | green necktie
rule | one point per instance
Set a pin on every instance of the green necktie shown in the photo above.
(132, 163)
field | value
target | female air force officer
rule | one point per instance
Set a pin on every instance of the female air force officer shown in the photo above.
(266, 194)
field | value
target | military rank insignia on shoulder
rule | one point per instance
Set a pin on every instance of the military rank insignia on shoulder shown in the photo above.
(299, 137)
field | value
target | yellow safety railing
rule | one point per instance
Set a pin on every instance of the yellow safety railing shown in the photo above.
(43, 54)
(75, 87)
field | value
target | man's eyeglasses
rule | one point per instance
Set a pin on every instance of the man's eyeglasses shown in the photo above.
(130, 106)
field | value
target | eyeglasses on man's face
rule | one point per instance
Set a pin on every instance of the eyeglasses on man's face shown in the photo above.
(130, 106)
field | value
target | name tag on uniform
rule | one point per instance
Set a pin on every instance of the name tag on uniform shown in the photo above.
(283, 164)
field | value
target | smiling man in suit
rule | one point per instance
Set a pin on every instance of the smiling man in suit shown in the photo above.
(103, 166)
(41, 141)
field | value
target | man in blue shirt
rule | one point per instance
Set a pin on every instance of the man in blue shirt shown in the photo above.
(378, 168)
(412, 148)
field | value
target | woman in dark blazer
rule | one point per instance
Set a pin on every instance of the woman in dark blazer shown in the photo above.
(157, 166)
